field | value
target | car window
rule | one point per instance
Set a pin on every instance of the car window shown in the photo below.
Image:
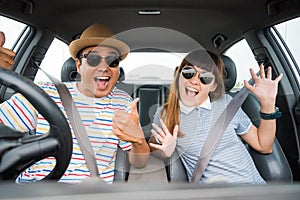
(12, 30)
(244, 59)
(147, 67)
(289, 32)
(56, 55)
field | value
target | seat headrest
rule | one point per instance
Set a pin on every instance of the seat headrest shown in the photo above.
(69, 72)
(230, 73)
(122, 75)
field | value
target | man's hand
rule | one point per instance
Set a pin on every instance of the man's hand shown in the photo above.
(126, 126)
(6, 55)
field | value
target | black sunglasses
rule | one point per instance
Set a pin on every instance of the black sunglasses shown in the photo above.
(189, 72)
(93, 60)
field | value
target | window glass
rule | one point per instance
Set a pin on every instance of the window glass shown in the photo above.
(12, 30)
(244, 59)
(289, 32)
(151, 67)
(56, 55)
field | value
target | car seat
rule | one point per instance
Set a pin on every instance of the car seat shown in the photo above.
(69, 71)
(273, 167)
(69, 74)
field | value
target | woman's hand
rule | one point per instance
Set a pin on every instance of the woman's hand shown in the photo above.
(167, 140)
(265, 89)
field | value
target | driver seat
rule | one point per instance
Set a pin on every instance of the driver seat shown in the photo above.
(272, 167)
(122, 166)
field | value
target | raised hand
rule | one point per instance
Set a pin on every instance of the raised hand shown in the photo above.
(265, 89)
(126, 126)
(167, 140)
(6, 55)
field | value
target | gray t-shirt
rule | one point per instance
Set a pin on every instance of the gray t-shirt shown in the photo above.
(231, 161)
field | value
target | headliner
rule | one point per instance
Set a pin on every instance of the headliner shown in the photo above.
(200, 20)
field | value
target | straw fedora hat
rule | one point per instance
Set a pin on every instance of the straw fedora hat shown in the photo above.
(98, 34)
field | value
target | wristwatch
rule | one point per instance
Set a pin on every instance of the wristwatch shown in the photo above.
(270, 116)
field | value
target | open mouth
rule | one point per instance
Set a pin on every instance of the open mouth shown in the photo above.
(102, 81)
(191, 92)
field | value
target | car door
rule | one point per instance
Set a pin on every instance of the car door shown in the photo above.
(278, 46)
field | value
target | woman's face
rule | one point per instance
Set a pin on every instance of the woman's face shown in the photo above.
(193, 91)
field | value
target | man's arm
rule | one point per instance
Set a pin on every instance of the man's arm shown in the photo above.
(126, 127)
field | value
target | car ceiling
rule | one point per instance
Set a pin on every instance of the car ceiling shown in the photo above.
(200, 20)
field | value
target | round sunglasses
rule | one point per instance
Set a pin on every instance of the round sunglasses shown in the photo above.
(93, 60)
(189, 72)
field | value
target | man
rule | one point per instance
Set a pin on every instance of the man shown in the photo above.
(97, 55)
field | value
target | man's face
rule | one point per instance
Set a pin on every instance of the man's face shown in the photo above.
(98, 80)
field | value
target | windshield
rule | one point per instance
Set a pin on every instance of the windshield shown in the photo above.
(156, 67)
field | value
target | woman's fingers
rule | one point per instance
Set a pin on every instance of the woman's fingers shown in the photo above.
(157, 146)
(158, 130)
(278, 78)
(158, 136)
(175, 131)
(262, 71)
(269, 73)
(164, 127)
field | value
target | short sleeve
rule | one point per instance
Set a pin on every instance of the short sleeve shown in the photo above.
(125, 146)
(243, 122)
(18, 113)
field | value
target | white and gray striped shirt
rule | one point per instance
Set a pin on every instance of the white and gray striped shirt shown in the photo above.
(231, 161)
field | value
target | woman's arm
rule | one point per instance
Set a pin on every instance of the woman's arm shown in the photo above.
(265, 89)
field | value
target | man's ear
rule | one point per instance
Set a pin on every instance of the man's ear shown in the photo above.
(78, 64)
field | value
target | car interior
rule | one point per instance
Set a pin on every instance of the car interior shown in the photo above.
(152, 27)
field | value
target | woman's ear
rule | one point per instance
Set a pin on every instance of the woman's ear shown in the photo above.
(213, 87)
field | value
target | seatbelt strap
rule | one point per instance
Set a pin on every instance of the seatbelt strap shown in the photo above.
(216, 133)
(77, 125)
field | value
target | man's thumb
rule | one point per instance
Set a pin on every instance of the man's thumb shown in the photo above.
(2, 39)
(134, 106)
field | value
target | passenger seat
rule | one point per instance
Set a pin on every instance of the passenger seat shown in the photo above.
(274, 166)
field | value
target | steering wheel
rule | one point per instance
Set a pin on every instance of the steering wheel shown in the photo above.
(17, 151)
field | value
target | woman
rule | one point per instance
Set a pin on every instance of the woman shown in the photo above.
(196, 100)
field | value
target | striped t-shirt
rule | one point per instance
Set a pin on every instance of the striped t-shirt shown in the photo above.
(96, 114)
(230, 161)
